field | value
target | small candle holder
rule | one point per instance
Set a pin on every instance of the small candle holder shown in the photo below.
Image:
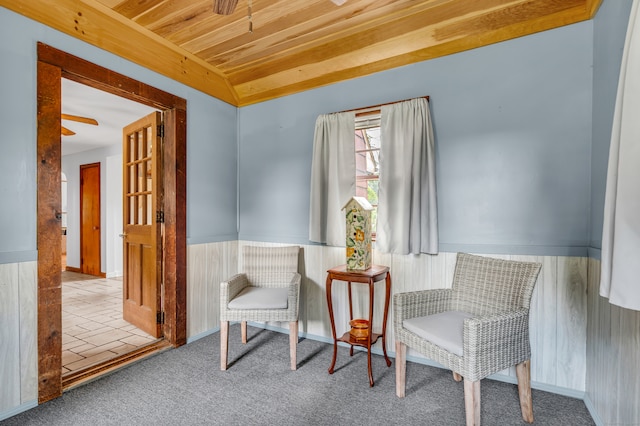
(359, 329)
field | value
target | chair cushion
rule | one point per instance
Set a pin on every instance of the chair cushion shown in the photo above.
(260, 298)
(445, 329)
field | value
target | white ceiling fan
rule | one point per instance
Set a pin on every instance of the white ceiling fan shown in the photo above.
(226, 7)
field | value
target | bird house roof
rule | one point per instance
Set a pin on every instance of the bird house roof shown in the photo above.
(361, 201)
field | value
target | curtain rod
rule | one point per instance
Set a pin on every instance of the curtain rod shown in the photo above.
(373, 109)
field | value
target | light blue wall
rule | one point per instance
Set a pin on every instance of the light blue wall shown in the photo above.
(513, 121)
(211, 140)
(513, 140)
(610, 28)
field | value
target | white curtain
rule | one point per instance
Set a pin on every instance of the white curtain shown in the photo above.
(333, 177)
(407, 211)
(620, 263)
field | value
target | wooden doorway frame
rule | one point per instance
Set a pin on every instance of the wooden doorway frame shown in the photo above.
(54, 64)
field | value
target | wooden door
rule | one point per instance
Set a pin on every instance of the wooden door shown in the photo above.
(142, 222)
(90, 219)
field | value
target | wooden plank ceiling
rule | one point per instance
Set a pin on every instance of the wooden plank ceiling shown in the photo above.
(295, 45)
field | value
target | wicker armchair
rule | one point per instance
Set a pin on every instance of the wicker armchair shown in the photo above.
(478, 327)
(268, 290)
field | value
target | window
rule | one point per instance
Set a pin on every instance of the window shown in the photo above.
(402, 230)
(367, 150)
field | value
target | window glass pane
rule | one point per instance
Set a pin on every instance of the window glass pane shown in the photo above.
(373, 137)
(149, 186)
(149, 139)
(149, 211)
(374, 219)
(141, 145)
(142, 210)
(132, 148)
(132, 179)
(372, 192)
(367, 152)
(141, 177)
(132, 211)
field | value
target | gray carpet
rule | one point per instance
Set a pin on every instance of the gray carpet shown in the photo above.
(186, 386)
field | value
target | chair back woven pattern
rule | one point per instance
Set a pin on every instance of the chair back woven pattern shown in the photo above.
(483, 285)
(265, 266)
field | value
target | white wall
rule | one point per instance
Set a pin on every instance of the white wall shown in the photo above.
(109, 178)
(113, 217)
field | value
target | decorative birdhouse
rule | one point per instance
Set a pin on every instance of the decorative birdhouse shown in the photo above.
(358, 216)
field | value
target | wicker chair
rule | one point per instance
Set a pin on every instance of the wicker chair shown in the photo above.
(268, 290)
(478, 327)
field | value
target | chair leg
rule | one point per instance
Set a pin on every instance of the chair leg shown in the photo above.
(224, 344)
(456, 377)
(523, 373)
(243, 331)
(472, 402)
(401, 368)
(293, 343)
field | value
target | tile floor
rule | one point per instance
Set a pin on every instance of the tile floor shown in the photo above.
(92, 326)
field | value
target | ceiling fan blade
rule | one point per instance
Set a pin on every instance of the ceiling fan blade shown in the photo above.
(67, 132)
(224, 7)
(79, 119)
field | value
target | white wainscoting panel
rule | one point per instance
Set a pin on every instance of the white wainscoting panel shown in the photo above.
(18, 334)
(28, 294)
(612, 357)
(9, 337)
(207, 265)
(558, 310)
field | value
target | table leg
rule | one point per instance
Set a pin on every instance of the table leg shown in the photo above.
(333, 324)
(370, 330)
(350, 312)
(386, 314)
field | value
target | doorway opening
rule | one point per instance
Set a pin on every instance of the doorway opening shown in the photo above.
(53, 65)
(90, 219)
(94, 327)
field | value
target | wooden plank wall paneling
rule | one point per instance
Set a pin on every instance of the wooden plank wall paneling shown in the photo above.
(18, 338)
(558, 310)
(612, 357)
(571, 317)
(612, 347)
(9, 337)
(28, 294)
(207, 266)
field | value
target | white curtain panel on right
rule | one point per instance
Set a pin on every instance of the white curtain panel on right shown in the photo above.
(620, 263)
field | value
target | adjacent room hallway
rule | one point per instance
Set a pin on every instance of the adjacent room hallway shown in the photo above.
(92, 326)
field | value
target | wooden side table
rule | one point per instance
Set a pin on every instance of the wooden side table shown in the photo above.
(370, 276)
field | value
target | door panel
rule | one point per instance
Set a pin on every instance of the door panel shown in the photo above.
(90, 219)
(142, 232)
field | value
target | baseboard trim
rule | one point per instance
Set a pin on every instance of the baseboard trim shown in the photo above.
(19, 409)
(592, 410)
(199, 336)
